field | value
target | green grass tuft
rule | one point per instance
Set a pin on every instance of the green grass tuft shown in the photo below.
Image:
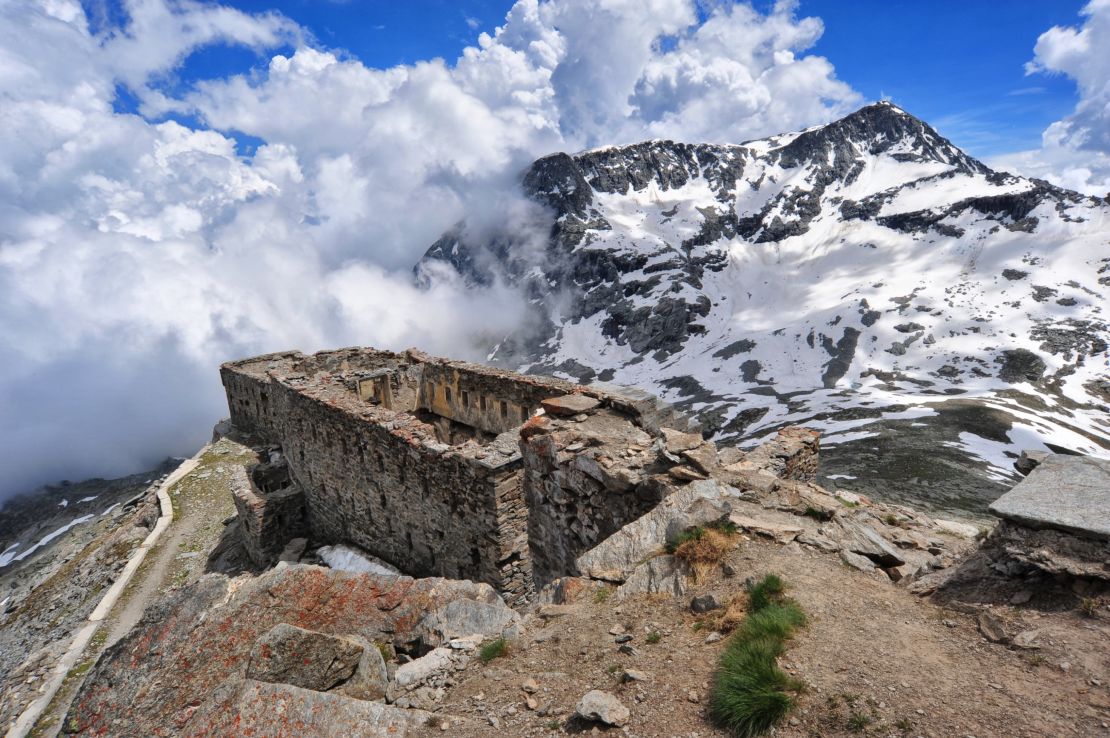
(764, 592)
(654, 637)
(493, 650)
(750, 692)
(690, 534)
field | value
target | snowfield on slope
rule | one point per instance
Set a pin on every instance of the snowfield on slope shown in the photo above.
(866, 278)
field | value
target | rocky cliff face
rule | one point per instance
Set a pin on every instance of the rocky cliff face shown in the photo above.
(866, 277)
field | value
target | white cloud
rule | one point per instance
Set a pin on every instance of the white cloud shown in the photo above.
(1075, 151)
(136, 252)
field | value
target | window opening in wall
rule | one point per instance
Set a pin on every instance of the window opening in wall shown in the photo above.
(504, 410)
(447, 394)
(465, 397)
(482, 403)
(523, 414)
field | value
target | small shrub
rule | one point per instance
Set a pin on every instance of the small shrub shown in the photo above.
(385, 650)
(733, 613)
(892, 520)
(654, 637)
(904, 725)
(858, 721)
(493, 650)
(1035, 659)
(601, 595)
(750, 692)
(1089, 607)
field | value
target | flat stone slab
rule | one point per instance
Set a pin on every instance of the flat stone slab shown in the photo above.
(569, 404)
(1068, 493)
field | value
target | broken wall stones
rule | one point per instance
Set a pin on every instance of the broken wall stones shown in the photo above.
(271, 510)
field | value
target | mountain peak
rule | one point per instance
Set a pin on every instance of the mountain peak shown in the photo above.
(878, 128)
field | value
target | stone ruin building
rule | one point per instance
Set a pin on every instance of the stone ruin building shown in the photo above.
(453, 469)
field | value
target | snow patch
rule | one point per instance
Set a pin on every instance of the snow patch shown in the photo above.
(345, 558)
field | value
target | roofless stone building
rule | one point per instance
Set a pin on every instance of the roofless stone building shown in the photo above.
(447, 468)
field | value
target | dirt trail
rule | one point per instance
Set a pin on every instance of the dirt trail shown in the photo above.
(878, 661)
(201, 504)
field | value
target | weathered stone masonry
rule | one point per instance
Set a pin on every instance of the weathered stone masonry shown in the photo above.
(448, 468)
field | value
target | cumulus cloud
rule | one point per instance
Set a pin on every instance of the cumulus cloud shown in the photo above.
(137, 251)
(1075, 151)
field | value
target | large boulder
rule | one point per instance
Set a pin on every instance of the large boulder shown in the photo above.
(291, 655)
(603, 707)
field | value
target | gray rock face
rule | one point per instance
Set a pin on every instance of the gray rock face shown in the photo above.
(183, 669)
(465, 617)
(602, 707)
(290, 655)
(282, 710)
(615, 558)
(862, 539)
(1068, 493)
(1021, 365)
(660, 575)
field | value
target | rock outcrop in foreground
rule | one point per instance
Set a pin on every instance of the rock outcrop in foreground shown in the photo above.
(292, 652)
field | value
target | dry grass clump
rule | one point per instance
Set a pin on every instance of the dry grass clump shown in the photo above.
(704, 548)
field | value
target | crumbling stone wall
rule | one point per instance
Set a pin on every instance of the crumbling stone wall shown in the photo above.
(381, 477)
(451, 469)
(585, 478)
(270, 514)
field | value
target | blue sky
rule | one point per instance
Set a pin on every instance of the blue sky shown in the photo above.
(957, 64)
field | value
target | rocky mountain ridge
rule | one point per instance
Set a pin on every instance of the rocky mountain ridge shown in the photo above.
(865, 277)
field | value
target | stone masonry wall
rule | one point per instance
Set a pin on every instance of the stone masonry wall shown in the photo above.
(440, 468)
(584, 480)
(492, 402)
(268, 520)
(401, 496)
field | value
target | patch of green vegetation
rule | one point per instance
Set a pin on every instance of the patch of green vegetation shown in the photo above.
(858, 721)
(904, 725)
(1089, 606)
(554, 725)
(495, 649)
(697, 532)
(654, 637)
(601, 595)
(385, 650)
(690, 534)
(750, 692)
(765, 592)
(612, 669)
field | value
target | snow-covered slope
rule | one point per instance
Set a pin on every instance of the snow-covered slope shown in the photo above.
(865, 277)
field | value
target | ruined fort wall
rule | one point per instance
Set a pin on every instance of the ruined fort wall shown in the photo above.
(425, 509)
(487, 399)
(267, 520)
(583, 482)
